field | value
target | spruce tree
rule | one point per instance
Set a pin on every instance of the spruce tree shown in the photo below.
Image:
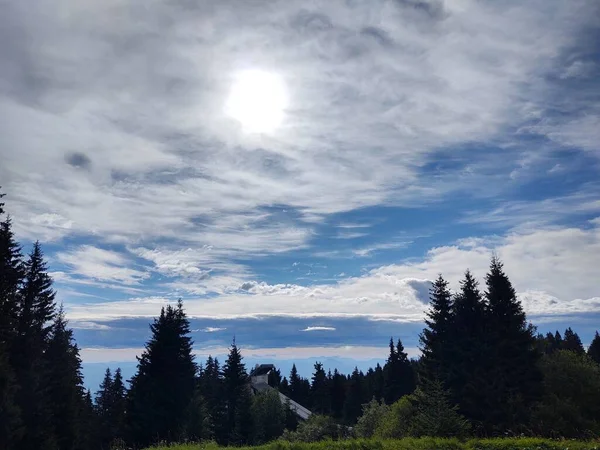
(319, 391)
(355, 397)
(468, 361)
(572, 342)
(594, 348)
(164, 384)
(211, 385)
(237, 397)
(435, 338)
(337, 394)
(118, 407)
(65, 384)
(399, 378)
(103, 408)
(36, 310)
(12, 273)
(514, 374)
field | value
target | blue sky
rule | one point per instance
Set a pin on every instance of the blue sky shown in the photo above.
(411, 138)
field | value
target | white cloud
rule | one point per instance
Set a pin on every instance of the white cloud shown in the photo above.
(211, 329)
(101, 265)
(374, 90)
(82, 325)
(553, 270)
(357, 352)
(319, 329)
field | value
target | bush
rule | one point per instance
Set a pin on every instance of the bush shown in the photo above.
(316, 428)
(373, 414)
(396, 423)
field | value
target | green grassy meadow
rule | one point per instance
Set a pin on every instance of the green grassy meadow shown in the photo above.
(413, 444)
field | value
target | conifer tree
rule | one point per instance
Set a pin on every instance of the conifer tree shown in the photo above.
(594, 348)
(319, 391)
(338, 394)
(211, 386)
(12, 273)
(164, 384)
(516, 380)
(468, 361)
(399, 379)
(355, 397)
(36, 310)
(65, 384)
(103, 408)
(572, 342)
(435, 339)
(118, 407)
(237, 397)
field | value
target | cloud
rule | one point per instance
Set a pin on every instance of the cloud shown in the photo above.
(319, 329)
(369, 250)
(537, 262)
(211, 329)
(357, 352)
(82, 325)
(375, 90)
(101, 265)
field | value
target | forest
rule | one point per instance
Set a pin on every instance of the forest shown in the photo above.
(484, 371)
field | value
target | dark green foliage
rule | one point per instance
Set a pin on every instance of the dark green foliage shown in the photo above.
(317, 428)
(65, 385)
(337, 394)
(198, 424)
(572, 342)
(355, 397)
(435, 339)
(110, 409)
(594, 348)
(468, 366)
(319, 391)
(372, 416)
(211, 387)
(12, 273)
(237, 398)
(570, 406)
(434, 415)
(398, 374)
(164, 384)
(35, 312)
(269, 416)
(515, 381)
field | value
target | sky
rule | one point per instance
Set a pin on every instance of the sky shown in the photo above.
(298, 172)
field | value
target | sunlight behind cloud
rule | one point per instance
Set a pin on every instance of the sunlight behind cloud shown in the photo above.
(257, 100)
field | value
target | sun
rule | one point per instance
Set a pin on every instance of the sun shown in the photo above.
(257, 100)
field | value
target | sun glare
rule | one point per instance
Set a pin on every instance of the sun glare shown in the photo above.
(257, 100)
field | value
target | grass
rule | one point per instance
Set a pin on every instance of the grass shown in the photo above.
(413, 444)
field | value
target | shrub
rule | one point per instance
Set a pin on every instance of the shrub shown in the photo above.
(373, 414)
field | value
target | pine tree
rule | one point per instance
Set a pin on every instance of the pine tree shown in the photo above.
(594, 348)
(355, 397)
(338, 394)
(468, 362)
(164, 384)
(319, 391)
(237, 397)
(65, 384)
(211, 385)
(89, 425)
(572, 342)
(516, 379)
(399, 379)
(103, 408)
(36, 310)
(294, 386)
(117, 407)
(12, 273)
(435, 338)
